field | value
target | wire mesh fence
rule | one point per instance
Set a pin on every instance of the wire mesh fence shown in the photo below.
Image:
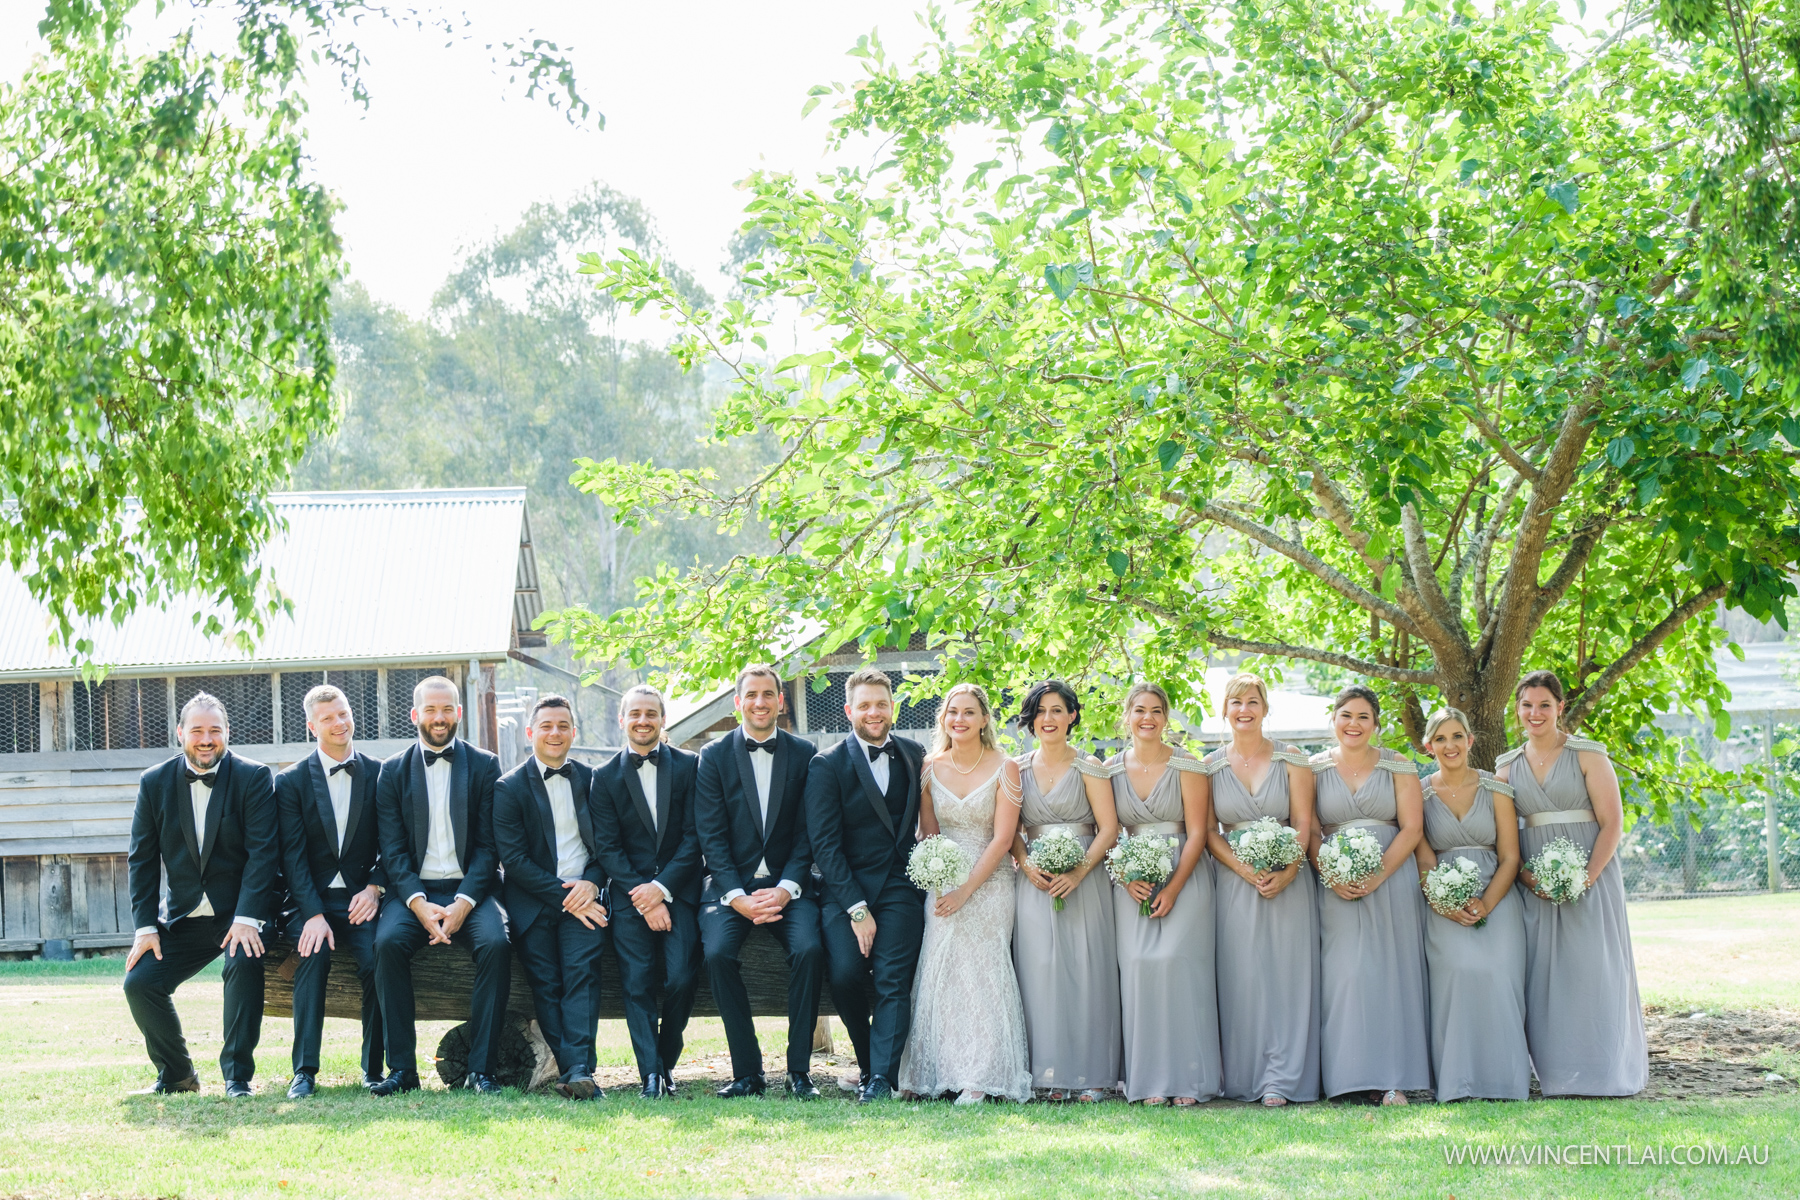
(249, 703)
(18, 718)
(400, 684)
(122, 714)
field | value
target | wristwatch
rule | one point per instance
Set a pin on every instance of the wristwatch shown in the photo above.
(860, 915)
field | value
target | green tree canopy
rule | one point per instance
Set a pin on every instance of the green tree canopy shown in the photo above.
(166, 266)
(1424, 344)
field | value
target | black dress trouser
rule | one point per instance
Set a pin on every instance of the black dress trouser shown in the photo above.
(187, 947)
(561, 957)
(722, 933)
(880, 1037)
(312, 972)
(399, 936)
(652, 962)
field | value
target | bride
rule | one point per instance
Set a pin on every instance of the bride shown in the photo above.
(968, 1026)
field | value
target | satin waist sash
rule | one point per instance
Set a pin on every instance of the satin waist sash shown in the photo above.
(1359, 823)
(1157, 829)
(1562, 816)
(1234, 826)
(1078, 829)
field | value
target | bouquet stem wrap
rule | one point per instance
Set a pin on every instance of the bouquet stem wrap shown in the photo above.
(1056, 854)
(1147, 858)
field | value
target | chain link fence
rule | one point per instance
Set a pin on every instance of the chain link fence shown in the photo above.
(18, 718)
(249, 703)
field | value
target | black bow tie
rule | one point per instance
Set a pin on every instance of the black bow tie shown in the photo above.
(753, 746)
(567, 771)
(432, 756)
(638, 760)
(195, 777)
(891, 750)
(348, 767)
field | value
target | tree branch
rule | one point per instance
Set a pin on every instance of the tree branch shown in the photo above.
(1482, 552)
(1337, 508)
(1361, 666)
(1424, 577)
(1581, 548)
(1591, 695)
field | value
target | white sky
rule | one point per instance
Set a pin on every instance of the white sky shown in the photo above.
(696, 94)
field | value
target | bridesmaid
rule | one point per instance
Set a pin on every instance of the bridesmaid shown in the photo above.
(1266, 926)
(1374, 1035)
(1170, 1006)
(1477, 975)
(1583, 1021)
(1068, 961)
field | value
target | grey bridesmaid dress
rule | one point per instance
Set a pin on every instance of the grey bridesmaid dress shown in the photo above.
(1374, 1031)
(1477, 975)
(1068, 961)
(1583, 1021)
(1267, 953)
(1167, 995)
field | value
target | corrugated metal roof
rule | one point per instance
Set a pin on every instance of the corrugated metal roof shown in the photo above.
(429, 575)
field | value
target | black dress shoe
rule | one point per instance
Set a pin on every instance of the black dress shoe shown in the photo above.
(239, 1089)
(159, 1088)
(800, 1085)
(486, 1085)
(749, 1085)
(878, 1088)
(578, 1087)
(302, 1087)
(654, 1088)
(395, 1083)
(371, 1081)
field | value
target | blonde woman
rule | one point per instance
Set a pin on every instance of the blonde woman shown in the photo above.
(1068, 961)
(1166, 990)
(968, 1026)
(1374, 1035)
(1267, 923)
(1582, 1017)
(1475, 956)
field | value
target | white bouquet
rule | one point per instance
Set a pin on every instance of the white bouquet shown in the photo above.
(1054, 854)
(937, 864)
(1350, 856)
(1267, 845)
(1452, 884)
(1147, 858)
(1562, 871)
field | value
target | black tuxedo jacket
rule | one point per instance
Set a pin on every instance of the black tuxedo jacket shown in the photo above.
(525, 835)
(310, 855)
(234, 866)
(855, 840)
(403, 806)
(630, 849)
(734, 837)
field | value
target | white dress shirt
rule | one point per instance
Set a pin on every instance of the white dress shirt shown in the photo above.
(646, 774)
(440, 834)
(879, 769)
(763, 767)
(571, 852)
(200, 797)
(339, 786)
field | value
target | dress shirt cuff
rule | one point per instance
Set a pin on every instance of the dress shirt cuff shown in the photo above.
(668, 896)
(144, 930)
(470, 899)
(728, 897)
(791, 888)
(250, 921)
(413, 897)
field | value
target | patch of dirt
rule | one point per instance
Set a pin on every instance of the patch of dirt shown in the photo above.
(1697, 1053)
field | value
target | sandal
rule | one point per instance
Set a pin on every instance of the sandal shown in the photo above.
(1392, 1097)
(1273, 1101)
(1057, 1096)
(1091, 1096)
(1185, 1102)
(1154, 1101)
(971, 1096)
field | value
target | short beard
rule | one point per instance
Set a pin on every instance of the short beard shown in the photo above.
(875, 738)
(193, 756)
(425, 736)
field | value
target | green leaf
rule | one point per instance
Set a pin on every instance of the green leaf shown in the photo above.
(1062, 280)
(1567, 194)
(1168, 455)
(1119, 562)
(1693, 372)
(1620, 450)
(1730, 381)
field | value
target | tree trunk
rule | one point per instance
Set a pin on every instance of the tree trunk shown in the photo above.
(1487, 708)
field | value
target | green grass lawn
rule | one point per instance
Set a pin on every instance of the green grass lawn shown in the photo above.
(69, 1053)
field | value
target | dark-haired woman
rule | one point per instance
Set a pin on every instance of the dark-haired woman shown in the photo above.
(1067, 961)
(1374, 1033)
(1583, 1022)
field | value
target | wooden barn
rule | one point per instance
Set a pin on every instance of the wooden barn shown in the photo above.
(387, 588)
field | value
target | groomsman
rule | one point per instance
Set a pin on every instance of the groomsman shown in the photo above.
(544, 829)
(750, 812)
(862, 816)
(206, 819)
(644, 824)
(331, 852)
(435, 803)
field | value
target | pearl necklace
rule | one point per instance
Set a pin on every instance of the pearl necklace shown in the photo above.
(951, 755)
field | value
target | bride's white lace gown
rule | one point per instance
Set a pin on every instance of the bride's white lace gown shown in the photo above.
(968, 1025)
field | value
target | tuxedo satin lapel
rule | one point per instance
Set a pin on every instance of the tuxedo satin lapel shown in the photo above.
(747, 780)
(321, 794)
(665, 789)
(635, 786)
(859, 762)
(913, 771)
(184, 808)
(580, 781)
(362, 792)
(540, 795)
(784, 754)
(220, 793)
(459, 803)
(421, 804)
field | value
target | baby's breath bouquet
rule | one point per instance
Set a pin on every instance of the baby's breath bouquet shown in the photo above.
(937, 864)
(1561, 868)
(1349, 856)
(1267, 845)
(1147, 858)
(1452, 884)
(1056, 853)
